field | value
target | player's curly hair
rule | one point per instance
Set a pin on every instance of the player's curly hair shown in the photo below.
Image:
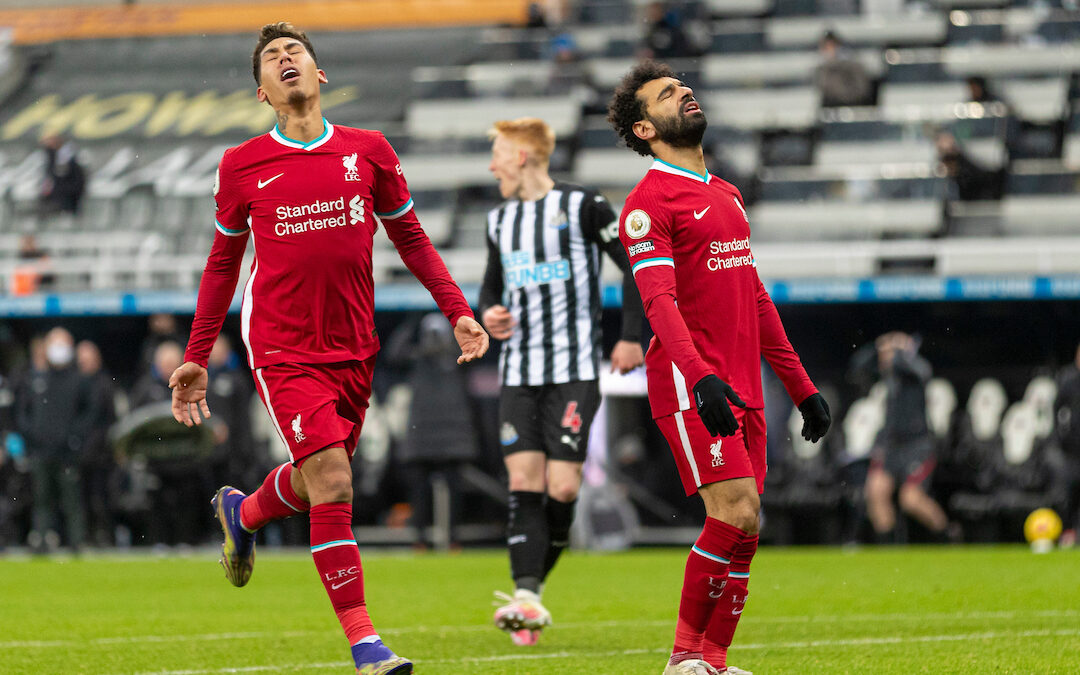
(273, 31)
(626, 108)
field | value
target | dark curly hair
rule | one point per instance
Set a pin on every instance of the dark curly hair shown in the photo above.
(626, 108)
(271, 32)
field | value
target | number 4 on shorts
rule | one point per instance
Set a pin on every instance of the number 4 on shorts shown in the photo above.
(571, 419)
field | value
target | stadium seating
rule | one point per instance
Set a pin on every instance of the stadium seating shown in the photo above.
(865, 176)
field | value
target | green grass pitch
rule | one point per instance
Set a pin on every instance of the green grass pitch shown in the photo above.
(896, 610)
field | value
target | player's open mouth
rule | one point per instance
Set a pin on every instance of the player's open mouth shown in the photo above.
(289, 74)
(691, 106)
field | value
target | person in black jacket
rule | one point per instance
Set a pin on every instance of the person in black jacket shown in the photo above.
(55, 409)
(98, 463)
(440, 435)
(65, 179)
(1067, 434)
(903, 459)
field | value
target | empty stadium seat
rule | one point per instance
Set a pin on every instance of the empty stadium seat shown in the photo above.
(993, 60)
(610, 168)
(839, 154)
(441, 172)
(775, 67)
(1042, 214)
(1002, 256)
(779, 108)
(472, 118)
(781, 221)
(907, 29)
(1041, 100)
(1070, 154)
(739, 7)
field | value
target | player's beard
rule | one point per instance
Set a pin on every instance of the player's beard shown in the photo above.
(681, 131)
(296, 98)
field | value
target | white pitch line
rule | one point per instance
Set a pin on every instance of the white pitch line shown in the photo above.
(525, 656)
(798, 619)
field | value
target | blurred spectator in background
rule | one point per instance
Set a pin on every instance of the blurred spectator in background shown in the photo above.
(65, 180)
(1067, 432)
(176, 456)
(55, 410)
(571, 75)
(970, 182)
(28, 277)
(160, 327)
(903, 456)
(153, 386)
(440, 435)
(664, 34)
(840, 77)
(229, 396)
(535, 17)
(546, 13)
(97, 456)
(979, 91)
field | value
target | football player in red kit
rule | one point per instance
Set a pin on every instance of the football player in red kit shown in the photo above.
(688, 239)
(307, 194)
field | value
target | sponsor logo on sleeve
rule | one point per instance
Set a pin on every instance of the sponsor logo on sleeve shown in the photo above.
(610, 231)
(217, 181)
(641, 247)
(638, 223)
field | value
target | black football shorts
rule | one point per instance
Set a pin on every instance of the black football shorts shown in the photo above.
(552, 418)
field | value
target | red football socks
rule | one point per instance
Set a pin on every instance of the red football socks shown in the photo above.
(274, 500)
(703, 584)
(337, 559)
(730, 605)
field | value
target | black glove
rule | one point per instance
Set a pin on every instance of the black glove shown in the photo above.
(816, 418)
(712, 395)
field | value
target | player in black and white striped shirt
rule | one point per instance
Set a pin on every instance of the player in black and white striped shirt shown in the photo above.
(541, 296)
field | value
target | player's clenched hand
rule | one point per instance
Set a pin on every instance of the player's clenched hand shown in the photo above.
(816, 418)
(712, 395)
(188, 384)
(472, 339)
(499, 321)
(626, 355)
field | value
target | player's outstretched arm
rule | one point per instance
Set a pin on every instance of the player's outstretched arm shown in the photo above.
(470, 336)
(188, 384)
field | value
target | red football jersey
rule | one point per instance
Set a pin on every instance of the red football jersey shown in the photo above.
(688, 240)
(311, 210)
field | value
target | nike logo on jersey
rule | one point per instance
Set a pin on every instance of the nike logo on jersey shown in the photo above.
(334, 587)
(264, 183)
(699, 214)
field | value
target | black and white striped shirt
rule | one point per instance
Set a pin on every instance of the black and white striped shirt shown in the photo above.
(544, 266)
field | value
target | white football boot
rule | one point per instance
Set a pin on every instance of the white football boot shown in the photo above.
(521, 611)
(690, 667)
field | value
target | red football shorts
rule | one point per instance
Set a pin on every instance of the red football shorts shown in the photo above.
(315, 406)
(704, 459)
